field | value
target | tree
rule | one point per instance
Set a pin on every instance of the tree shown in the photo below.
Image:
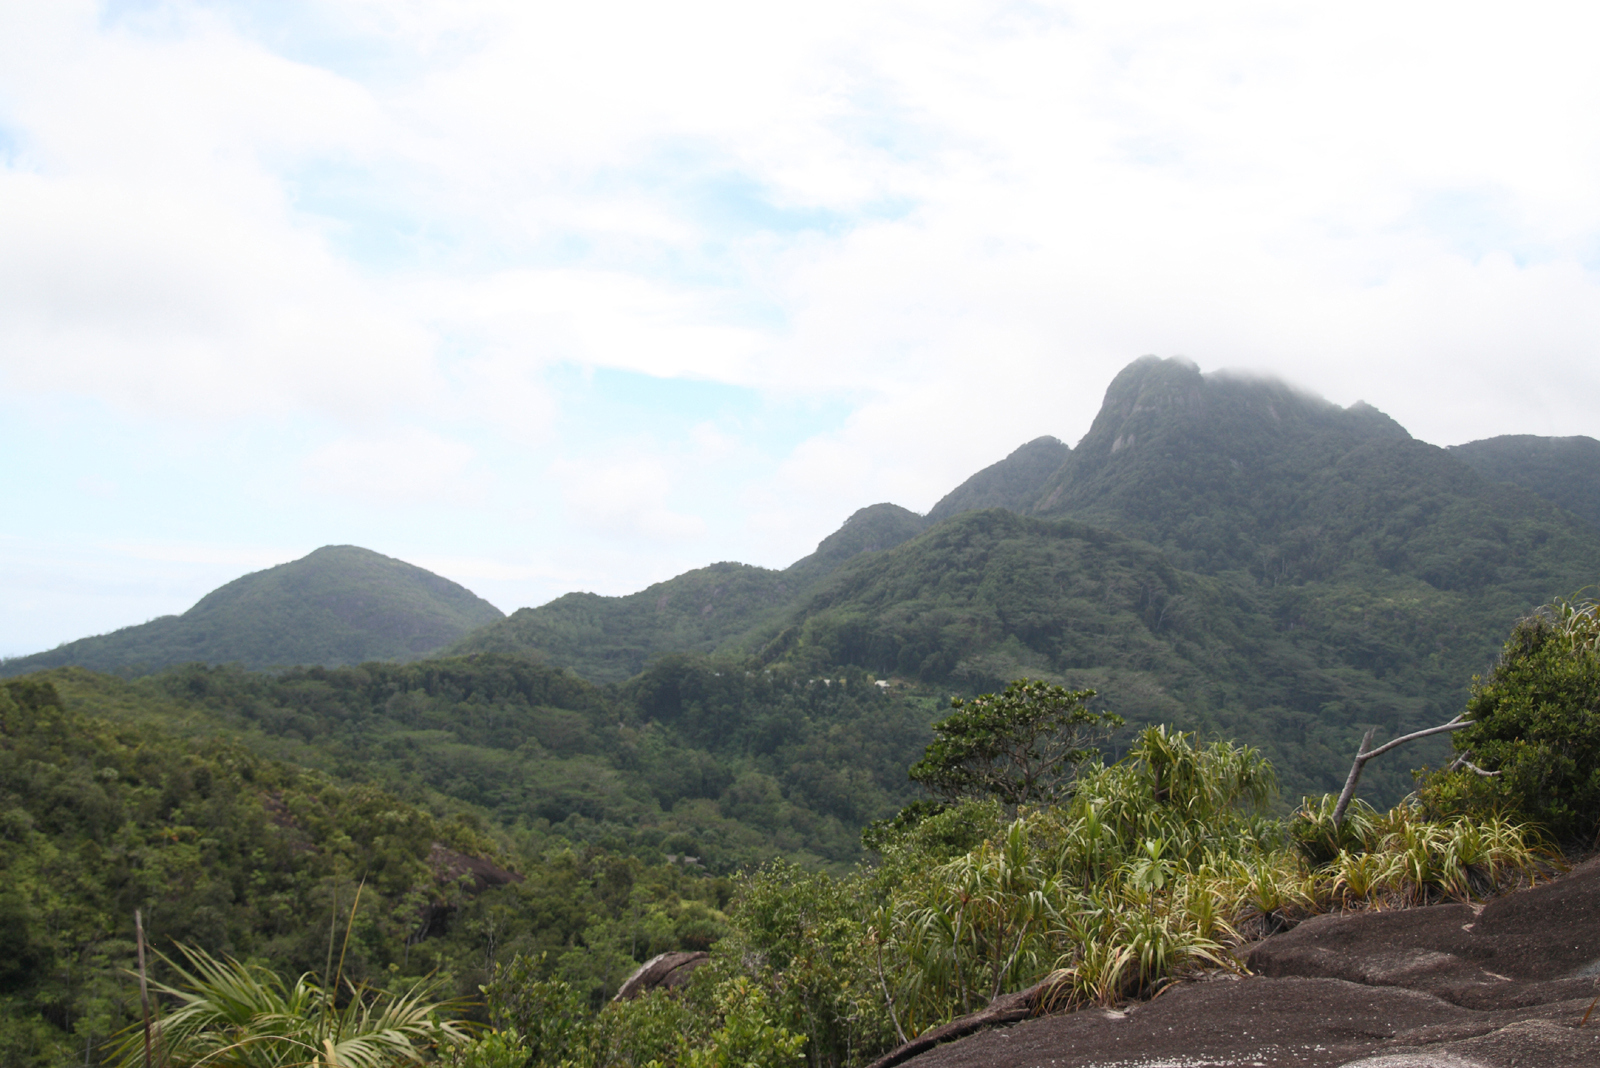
(1535, 727)
(1019, 747)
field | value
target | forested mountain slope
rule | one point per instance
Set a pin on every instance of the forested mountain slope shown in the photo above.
(1289, 572)
(608, 639)
(217, 847)
(1564, 471)
(339, 605)
(154, 794)
(1236, 473)
(1012, 483)
(1219, 551)
(1229, 474)
(1297, 670)
(694, 756)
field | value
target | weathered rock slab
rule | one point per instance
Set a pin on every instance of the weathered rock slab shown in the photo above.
(1451, 986)
(665, 971)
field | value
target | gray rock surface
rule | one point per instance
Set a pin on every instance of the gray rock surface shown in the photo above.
(1452, 986)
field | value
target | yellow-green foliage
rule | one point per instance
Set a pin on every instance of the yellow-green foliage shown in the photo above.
(1402, 858)
(1136, 879)
(720, 1020)
(234, 1015)
(1158, 865)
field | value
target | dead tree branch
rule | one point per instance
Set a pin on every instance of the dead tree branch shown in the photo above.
(1363, 754)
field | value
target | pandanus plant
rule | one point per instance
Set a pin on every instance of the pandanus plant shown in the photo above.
(235, 1015)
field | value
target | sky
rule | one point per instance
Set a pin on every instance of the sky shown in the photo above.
(551, 297)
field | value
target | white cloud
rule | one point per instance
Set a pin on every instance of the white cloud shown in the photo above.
(625, 497)
(963, 217)
(593, 318)
(397, 470)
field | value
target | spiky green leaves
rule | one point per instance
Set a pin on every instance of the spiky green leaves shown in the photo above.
(234, 1015)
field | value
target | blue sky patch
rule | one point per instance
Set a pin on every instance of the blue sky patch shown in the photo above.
(1474, 223)
(363, 221)
(609, 402)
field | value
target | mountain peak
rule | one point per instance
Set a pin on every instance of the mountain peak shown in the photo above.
(1152, 397)
(1012, 483)
(870, 529)
(340, 604)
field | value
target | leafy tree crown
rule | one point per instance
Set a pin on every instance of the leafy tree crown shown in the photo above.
(1019, 747)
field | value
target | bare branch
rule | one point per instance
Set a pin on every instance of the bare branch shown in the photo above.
(1363, 754)
(1454, 725)
(1350, 781)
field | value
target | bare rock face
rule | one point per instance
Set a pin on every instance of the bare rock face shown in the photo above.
(450, 866)
(666, 971)
(473, 875)
(1005, 1009)
(1452, 986)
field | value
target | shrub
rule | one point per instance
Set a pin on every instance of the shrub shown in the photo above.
(1535, 730)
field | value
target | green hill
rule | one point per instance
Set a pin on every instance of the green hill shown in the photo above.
(1220, 552)
(870, 530)
(608, 639)
(339, 605)
(1013, 483)
(1564, 471)
(1298, 669)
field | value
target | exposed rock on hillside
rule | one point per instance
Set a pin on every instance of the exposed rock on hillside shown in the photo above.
(468, 874)
(664, 971)
(451, 866)
(1440, 987)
